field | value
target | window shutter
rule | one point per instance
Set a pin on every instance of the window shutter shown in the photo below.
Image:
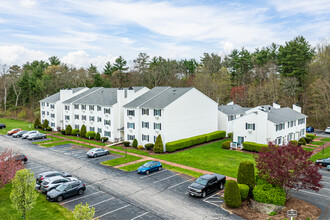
(160, 126)
(127, 125)
(160, 112)
(154, 125)
(246, 126)
(133, 125)
(254, 126)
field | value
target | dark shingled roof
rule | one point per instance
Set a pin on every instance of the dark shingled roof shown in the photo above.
(56, 96)
(232, 109)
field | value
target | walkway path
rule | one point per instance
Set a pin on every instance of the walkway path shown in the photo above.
(144, 158)
(320, 147)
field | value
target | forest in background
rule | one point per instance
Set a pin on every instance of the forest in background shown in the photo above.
(293, 73)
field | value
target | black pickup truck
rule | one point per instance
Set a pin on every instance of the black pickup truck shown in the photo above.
(206, 184)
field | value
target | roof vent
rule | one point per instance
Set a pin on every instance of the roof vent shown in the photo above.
(120, 88)
(130, 88)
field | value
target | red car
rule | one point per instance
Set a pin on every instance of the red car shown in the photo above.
(13, 131)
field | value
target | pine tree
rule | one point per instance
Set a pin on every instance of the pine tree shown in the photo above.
(159, 146)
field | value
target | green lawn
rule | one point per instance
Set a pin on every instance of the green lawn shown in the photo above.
(131, 150)
(52, 139)
(133, 167)
(12, 123)
(326, 139)
(308, 149)
(81, 139)
(317, 143)
(320, 155)
(66, 142)
(42, 210)
(120, 160)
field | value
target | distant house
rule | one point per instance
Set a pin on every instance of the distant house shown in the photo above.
(227, 114)
(175, 113)
(267, 123)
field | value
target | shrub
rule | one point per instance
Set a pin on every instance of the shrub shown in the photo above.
(294, 142)
(90, 134)
(140, 147)
(260, 181)
(68, 130)
(230, 135)
(159, 146)
(232, 194)
(75, 132)
(97, 136)
(104, 139)
(254, 147)
(246, 174)
(226, 145)
(63, 131)
(149, 146)
(244, 191)
(188, 142)
(308, 140)
(49, 129)
(45, 124)
(273, 213)
(135, 143)
(37, 123)
(126, 143)
(83, 131)
(302, 141)
(270, 194)
(311, 136)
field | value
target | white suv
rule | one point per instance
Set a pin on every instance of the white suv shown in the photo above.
(327, 130)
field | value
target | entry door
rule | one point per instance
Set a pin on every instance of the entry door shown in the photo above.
(240, 140)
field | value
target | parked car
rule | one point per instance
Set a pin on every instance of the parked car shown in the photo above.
(49, 174)
(95, 152)
(309, 129)
(13, 131)
(149, 167)
(327, 130)
(19, 134)
(323, 162)
(2, 126)
(53, 182)
(17, 157)
(206, 184)
(328, 167)
(26, 135)
(36, 136)
(66, 190)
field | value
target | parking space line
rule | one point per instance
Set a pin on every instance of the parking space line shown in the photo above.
(111, 211)
(152, 174)
(35, 167)
(313, 193)
(140, 215)
(79, 198)
(179, 183)
(101, 202)
(167, 178)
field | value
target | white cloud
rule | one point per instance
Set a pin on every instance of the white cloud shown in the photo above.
(19, 55)
(27, 3)
(289, 7)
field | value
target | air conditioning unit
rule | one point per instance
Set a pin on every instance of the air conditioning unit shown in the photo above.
(91, 111)
(83, 111)
(130, 129)
(157, 116)
(250, 131)
(83, 121)
(107, 115)
(107, 126)
(130, 117)
(157, 130)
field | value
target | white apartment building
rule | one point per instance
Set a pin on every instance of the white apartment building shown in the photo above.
(99, 109)
(175, 113)
(267, 123)
(227, 114)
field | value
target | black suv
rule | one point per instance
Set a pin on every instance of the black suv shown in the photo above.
(2, 126)
(66, 190)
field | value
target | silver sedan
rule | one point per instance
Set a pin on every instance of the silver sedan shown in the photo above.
(95, 152)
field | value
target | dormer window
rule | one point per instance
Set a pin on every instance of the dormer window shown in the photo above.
(145, 111)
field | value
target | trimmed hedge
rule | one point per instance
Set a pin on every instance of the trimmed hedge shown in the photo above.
(149, 146)
(311, 136)
(246, 175)
(232, 194)
(62, 131)
(294, 142)
(37, 123)
(159, 146)
(68, 130)
(135, 143)
(104, 139)
(188, 142)
(75, 132)
(83, 131)
(230, 135)
(254, 147)
(308, 140)
(126, 143)
(226, 145)
(140, 147)
(97, 136)
(270, 194)
(45, 124)
(244, 191)
(90, 134)
(49, 129)
(302, 141)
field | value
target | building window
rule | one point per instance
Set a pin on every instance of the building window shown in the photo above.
(290, 136)
(47, 104)
(278, 140)
(52, 115)
(42, 104)
(91, 118)
(250, 126)
(302, 132)
(107, 122)
(52, 106)
(130, 125)
(157, 112)
(107, 134)
(91, 107)
(43, 112)
(67, 117)
(67, 107)
(158, 126)
(155, 139)
(99, 119)
(145, 137)
(47, 113)
(91, 129)
(52, 124)
(145, 124)
(145, 111)
(130, 137)
(231, 117)
(83, 107)
(76, 117)
(76, 106)
(280, 127)
(76, 126)
(130, 112)
(99, 108)
(301, 121)
(107, 111)
(83, 117)
(99, 130)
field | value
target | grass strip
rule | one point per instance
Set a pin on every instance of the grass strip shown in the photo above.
(320, 155)
(131, 150)
(133, 167)
(319, 143)
(13, 123)
(66, 142)
(81, 139)
(308, 149)
(326, 139)
(43, 209)
(120, 160)
(53, 139)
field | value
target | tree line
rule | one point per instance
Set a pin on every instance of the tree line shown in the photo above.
(293, 73)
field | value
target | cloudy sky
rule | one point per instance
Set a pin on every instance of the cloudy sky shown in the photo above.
(81, 32)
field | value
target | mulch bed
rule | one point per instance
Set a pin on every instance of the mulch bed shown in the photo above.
(305, 210)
